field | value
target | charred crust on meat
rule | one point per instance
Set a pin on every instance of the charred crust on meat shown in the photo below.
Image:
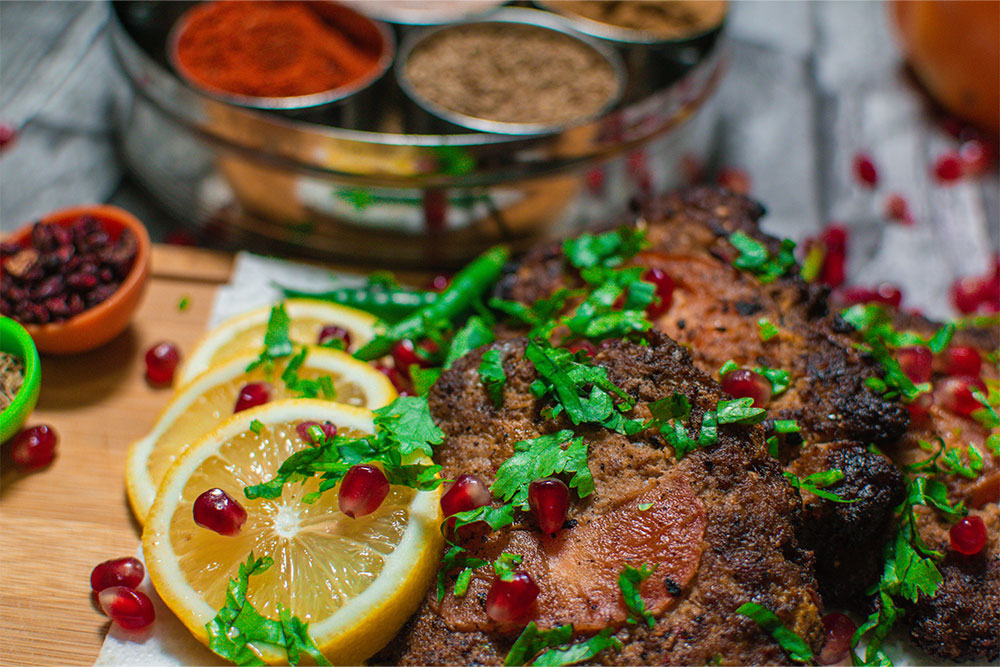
(747, 308)
(672, 586)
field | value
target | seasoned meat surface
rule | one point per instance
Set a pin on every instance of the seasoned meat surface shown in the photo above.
(740, 556)
(715, 313)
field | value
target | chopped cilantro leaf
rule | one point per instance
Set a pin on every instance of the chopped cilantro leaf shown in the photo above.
(455, 558)
(986, 415)
(541, 316)
(475, 333)
(257, 426)
(739, 410)
(629, 581)
(492, 375)
(779, 379)
(183, 304)
(728, 367)
(579, 652)
(503, 566)
(755, 258)
(238, 626)
(793, 645)
(423, 378)
(948, 460)
(786, 426)
(277, 344)
(494, 517)
(303, 388)
(644, 506)
(531, 641)
(766, 329)
(543, 457)
(816, 483)
(608, 250)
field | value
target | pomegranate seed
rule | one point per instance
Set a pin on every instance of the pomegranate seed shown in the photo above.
(217, 510)
(973, 293)
(947, 168)
(399, 381)
(439, 282)
(962, 360)
(976, 157)
(404, 355)
(510, 601)
(916, 363)
(329, 430)
(886, 293)
(839, 631)
(864, 170)
(549, 502)
(920, 406)
(664, 290)
(635, 162)
(7, 134)
(735, 179)
(595, 181)
(128, 608)
(127, 572)
(362, 490)
(161, 363)
(897, 208)
(34, 447)
(968, 536)
(956, 394)
(251, 395)
(743, 383)
(333, 332)
(583, 345)
(467, 492)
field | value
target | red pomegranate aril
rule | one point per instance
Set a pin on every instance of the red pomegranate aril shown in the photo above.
(511, 601)
(251, 395)
(920, 406)
(977, 293)
(439, 282)
(218, 511)
(968, 536)
(664, 290)
(161, 363)
(399, 381)
(126, 572)
(128, 608)
(865, 171)
(962, 360)
(362, 490)
(7, 135)
(976, 157)
(583, 345)
(404, 355)
(956, 394)
(329, 430)
(595, 181)
(467, 492)
(916, 362)
(947, 168)
(549, 502)
(897, 208)
(333, 332)
(743, 383)
(839, 631)
(34, 447)
(886, 294)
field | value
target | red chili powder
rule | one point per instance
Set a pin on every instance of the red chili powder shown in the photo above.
(269, 49)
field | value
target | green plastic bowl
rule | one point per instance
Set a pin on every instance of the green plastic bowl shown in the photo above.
(15, 340)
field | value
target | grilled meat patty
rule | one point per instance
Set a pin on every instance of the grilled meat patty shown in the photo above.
(715, 314)
(711, 553)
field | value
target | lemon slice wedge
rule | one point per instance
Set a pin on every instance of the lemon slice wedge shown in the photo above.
(245, 333)
(355, 581)
(203, 403)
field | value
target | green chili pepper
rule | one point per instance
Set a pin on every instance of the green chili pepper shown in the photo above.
(390, 304)
(469, 284)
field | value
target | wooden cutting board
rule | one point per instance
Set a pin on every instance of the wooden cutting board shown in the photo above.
(58, 523)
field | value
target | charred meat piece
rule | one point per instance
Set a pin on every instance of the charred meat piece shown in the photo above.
(960, 622)
(712, 555)
(715, 314)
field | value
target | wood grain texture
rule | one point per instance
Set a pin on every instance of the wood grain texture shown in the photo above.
(58, 523)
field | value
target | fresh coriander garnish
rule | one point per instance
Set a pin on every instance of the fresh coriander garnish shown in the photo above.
(817, 482)
(993, 443)
(728, 367)
(277, 344)
(403, 429)
(238, 625)
(766, 329)
(608, 250)
(629, 581)
(779, 379)
(539, 458)
(257, 426)
(456, 558)
(304, 388)
(492, 375)
(755, 258)
(786, 426)
(793, 645)
(948, 460)
(423, 378)
(553, 648)
(476, 332)
(739, 410)
(503, 566)
(986, 415)
(183, 304)
(873, 320)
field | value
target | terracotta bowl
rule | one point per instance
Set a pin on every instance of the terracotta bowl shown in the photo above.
(95, 326)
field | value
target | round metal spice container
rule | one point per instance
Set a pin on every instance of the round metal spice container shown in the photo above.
(519, 71)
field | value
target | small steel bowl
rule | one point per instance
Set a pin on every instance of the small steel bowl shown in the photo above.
(363, 28)
(511, 15)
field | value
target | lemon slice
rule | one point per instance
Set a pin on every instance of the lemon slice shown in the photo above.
(203, 403)
(355, 581)
(245, 333)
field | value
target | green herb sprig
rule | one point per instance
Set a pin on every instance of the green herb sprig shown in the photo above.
(794, 646)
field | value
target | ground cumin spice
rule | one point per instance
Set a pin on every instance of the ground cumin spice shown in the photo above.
(667, 19)
(511, 73)
(268, 49)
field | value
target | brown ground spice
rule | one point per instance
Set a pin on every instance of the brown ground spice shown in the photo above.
(11, 378)
(669, 19)
(511, 73)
